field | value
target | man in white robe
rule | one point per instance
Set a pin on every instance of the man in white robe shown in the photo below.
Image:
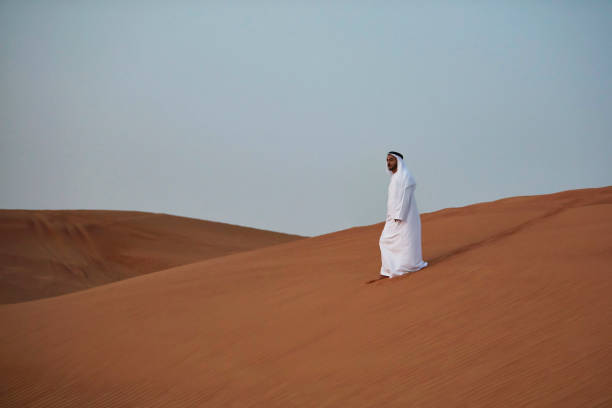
(400, 241)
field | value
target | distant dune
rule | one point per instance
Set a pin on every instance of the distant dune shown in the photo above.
(514, 311)
(48, 253)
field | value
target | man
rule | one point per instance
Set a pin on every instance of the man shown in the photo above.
(400, 241)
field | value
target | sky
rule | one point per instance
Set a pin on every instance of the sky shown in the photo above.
(279, 115)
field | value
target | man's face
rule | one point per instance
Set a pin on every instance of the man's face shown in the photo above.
(391, 163)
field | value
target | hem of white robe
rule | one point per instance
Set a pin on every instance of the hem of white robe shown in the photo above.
(393, 275)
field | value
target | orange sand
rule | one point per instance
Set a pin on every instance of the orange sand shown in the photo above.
(515, 310)
(49, 253)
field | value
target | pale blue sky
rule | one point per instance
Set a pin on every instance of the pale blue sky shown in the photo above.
(278, 115)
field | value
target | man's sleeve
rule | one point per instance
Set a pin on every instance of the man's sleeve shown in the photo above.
(405, 203)
(399, 210)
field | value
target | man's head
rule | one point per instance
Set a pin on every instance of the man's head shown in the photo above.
(392, 161)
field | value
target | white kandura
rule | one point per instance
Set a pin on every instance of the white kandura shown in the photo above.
(400, 241)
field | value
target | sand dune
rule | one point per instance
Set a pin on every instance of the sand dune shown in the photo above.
(49, 253)
(515, 310)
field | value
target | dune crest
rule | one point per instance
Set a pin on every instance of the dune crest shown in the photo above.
(514, 310)
(52, 252)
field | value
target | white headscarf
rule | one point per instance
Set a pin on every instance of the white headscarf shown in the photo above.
(402, 175)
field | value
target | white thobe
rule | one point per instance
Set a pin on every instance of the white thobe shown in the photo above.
(400, 241)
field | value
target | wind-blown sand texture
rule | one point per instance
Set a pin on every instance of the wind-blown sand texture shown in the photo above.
(48, 253)
(514, 311)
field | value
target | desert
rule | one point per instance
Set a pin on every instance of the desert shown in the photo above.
(513, 310)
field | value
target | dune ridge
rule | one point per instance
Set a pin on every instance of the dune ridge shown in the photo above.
(52, 252)
(514, 310)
